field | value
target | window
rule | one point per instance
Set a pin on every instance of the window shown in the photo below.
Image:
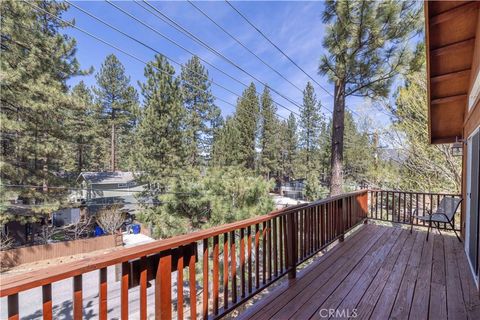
(122, 185)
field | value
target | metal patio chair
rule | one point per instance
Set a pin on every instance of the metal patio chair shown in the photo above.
(444, 214)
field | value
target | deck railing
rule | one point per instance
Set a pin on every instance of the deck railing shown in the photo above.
(224, 266)
(398, 206)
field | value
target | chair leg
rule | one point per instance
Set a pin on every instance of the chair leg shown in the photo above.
(454, 231)
(437, 224)
(429, 226)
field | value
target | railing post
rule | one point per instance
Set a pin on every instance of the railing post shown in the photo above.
(292, 245)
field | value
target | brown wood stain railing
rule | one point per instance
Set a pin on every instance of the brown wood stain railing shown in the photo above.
(398, 206)
(235, 261)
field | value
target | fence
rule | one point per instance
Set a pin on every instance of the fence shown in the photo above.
(230, 263)
(13, 257)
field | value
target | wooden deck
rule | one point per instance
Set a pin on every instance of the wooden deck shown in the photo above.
(379, 273)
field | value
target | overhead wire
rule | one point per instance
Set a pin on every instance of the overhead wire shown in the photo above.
(243, 45)
(283, 53)
(161, 53)
(183, 30)
(129, 54)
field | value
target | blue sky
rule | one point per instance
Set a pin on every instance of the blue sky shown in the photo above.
(296, 27)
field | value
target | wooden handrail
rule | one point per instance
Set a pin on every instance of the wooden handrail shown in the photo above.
(399, 206)
(296, 232)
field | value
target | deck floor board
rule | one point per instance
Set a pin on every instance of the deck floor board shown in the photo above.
(379, 272)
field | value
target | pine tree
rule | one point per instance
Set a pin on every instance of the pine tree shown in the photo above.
(160, 138)
(368, 46)
(203, 115)
(270, 142)
(247, 122)
(226, 151)
(37, 60)
(119, 103)
(290, 142)
(309, 125)
(83, 129)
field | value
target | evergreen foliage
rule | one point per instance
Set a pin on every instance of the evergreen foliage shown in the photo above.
(37, 60)
(203, 116)
(247, 122)
(270, 140)
(160, 138)
(368, 46)
(309, 133)
(119, 107)
(198, 201)
(289, 146)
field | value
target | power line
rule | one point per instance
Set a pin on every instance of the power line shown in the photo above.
(273, 44)
(158, 52)
(127, 53)
(283, 53)
(243, 45)
(183, 30)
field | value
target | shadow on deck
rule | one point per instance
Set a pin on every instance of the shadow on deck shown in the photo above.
(379, 273)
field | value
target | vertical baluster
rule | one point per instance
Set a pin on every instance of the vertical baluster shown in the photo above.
(143, 288)
(249, 258)
(387, 206)
(269, 249)
(12, 301)
(381, 205)
(193, 282)
(102, 294)
(233, 263)
(376, 204)
(225, 270)
(163, 287)
(275, 248)
(242, 262)
(216, 279)
(285, 241)
(424, 208)
(280, 243)
(410, 210)
(257, 256)
(205, 279)
(47, 301)
(180, 283)
(264, 252)
(77, 298)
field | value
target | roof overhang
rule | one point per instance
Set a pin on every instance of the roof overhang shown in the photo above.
(450, 28)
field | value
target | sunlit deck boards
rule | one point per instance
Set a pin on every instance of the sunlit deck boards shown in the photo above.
(380, 273)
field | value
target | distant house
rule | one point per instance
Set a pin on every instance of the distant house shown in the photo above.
(99, 189)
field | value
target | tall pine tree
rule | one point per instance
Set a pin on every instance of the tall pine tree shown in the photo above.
(368, 46)
(37, 60)
(309, 125)
(119, 103)
(270, 143)
(84, 128)
(288, 142)
(247, 122)
(202, 113)
(160, 138)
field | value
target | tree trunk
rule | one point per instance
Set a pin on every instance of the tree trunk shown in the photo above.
(336, 163)
(112, 155)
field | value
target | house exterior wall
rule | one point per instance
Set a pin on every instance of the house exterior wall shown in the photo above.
(470, 124)
(472, 118)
